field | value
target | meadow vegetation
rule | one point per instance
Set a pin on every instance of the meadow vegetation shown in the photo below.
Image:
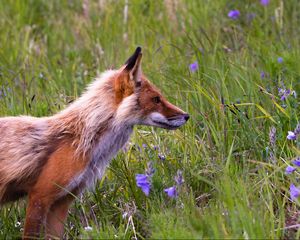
(241, 94)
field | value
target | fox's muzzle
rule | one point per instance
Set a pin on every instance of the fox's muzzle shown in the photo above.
(178, 120)
(172, 123)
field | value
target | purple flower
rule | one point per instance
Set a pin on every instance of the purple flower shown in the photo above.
(264, 2)
(283, 97)
(289, 169)
(155, 147)
(142, 181)
(141, 178)
(262, 75)
(291, 136)
(194, 66)
(294, 191)
(161, 157)
(297, 129)
(296, 162)
(281, 90)
(284, 93)
(144, 145)
(171, 191)
(234, 14)
(280, 60)
(179, 178)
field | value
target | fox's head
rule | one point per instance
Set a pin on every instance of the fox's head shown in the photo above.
(147, 105)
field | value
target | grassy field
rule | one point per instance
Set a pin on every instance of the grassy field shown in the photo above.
(245, 88)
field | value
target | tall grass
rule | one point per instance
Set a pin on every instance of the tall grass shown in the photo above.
(50, 50)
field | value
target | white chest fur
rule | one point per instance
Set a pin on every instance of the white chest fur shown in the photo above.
(107, 147)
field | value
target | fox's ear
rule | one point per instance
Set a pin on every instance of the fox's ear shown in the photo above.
(133, 66)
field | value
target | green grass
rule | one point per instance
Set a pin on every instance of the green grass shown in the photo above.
(50, 50)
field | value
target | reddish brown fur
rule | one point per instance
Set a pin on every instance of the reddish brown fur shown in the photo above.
(43, 195)
(124, 87)
(147, 93)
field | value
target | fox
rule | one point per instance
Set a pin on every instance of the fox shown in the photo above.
(52, 159)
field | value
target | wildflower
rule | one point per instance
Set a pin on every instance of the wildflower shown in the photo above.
(17, 224)
(283, 97)
(162, 157)
(88, 228)
(280, 60)
(155, 147)
(294, 191)
(289, 169)
(281, 91)
(296, 162)
(171, 191)
(262, 75)
(234, 14)
(194, 66)
(284, 93)
(144, 145)
(264, 2)
(179, 178)
(297, 129)
(291, 136)
(142, 181)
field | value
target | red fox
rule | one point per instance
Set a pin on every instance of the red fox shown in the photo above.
(52, 159)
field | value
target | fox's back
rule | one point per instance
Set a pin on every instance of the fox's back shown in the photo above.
(18, 135)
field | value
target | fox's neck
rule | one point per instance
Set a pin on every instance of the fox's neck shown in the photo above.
(94, 117)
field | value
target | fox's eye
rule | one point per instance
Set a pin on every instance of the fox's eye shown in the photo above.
(156, 99)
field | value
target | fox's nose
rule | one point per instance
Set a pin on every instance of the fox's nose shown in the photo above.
(186, 117)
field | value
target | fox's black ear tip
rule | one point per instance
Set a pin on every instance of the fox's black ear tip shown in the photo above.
(138, 50)
(131, 61)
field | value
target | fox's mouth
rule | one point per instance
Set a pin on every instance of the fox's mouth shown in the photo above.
(166, 125)
(172, 123)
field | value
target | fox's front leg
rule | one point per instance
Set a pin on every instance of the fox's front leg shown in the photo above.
(59, 171)
(57, 216)
(35, 216)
